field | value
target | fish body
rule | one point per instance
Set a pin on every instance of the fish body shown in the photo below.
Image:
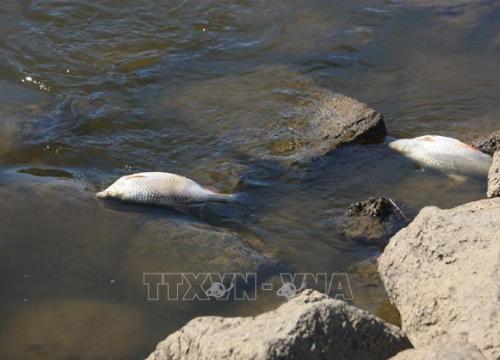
(444, 154)
(160, 188)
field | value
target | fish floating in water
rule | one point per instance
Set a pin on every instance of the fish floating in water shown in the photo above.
(444, 154)
(160, 188)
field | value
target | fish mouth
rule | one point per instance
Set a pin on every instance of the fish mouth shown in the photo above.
(395, 145)
(102, 194)
(398, 145)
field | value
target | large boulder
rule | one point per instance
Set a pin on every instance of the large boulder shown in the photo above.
(373, 221)
(488, 143)
(445, 351)
(442, 272)
(275, 113)
(311, 326)
(494, 177)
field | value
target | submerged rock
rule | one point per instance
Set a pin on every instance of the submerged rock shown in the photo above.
(489, 143)
(184, 245)
(373, 221)
(311, 326)
(494, 177)
(442, 273)
(277, 114)
(57, 229)
(444, 351)
(72, 329)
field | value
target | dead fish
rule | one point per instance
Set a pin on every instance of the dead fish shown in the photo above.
(160, 188)
(444, 154)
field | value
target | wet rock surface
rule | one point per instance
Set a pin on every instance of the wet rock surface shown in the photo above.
(373, 221)
(311, 326)
(489, 143)
(494, 177)
(445, 351)
(442, 274)
(293, 122)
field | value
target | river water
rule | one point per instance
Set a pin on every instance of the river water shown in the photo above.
(90, 91)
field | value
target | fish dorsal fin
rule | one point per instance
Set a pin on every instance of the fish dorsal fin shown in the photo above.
(429, 138)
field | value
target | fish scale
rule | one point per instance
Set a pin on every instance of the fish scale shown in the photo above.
(159, 188)
(444, 154)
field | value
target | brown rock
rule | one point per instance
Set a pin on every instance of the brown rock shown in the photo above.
(494, 177)
(442, 272)
(444, 351)
(373, 221)
(489, 143)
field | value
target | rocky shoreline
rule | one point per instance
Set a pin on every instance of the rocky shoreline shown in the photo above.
(441, 271)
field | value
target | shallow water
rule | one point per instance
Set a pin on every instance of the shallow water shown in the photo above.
(90, 92)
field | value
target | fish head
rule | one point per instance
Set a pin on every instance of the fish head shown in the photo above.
(115, 191)
(404, 146)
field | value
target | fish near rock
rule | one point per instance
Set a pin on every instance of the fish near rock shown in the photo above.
(444, 154)
(160, 188)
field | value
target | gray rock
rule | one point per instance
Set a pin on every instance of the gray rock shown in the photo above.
(489, 143)
(442, 272)
(494, 177)
(335, 120)
(311, 326)
(292, 120)
(373, 221)
(445, 351)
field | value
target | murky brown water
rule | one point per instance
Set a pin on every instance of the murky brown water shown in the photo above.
(90, 91)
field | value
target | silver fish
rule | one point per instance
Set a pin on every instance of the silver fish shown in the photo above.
(160, 188)
(444, 154)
